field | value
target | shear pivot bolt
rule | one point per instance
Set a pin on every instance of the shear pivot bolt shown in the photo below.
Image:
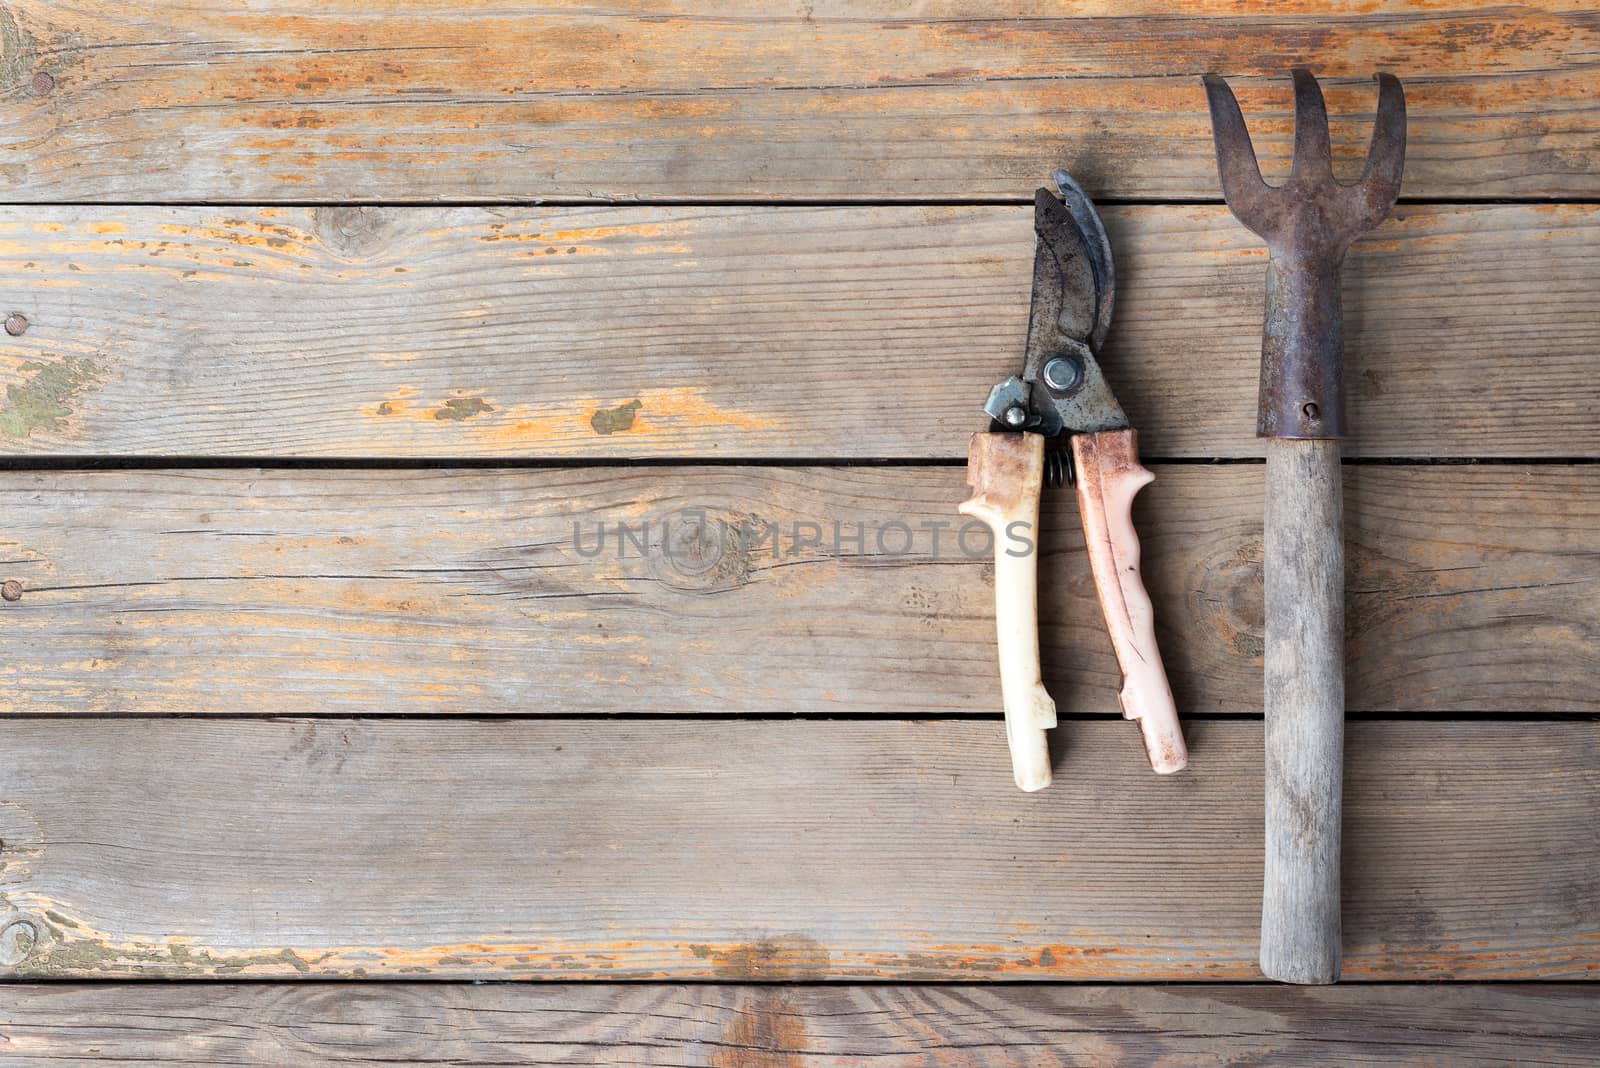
(1063, 374)
(1015, 415)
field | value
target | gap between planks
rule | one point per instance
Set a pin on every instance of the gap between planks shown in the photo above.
(435, 463)
(757, 203)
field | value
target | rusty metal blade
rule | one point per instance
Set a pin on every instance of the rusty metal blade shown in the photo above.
(1064, 316)
(1093, 231)
(1064, 293)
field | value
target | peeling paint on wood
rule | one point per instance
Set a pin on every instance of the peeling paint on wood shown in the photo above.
(459, 408)
(728, 850)
(750, 332)
(43, 396)
(615, 420)
(764, 100)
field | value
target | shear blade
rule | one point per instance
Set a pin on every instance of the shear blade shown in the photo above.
(1093, 232)
(1070, 313)
(1065, 291)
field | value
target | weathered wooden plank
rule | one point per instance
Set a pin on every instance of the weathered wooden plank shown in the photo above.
(337, 99)
(474, 592)
(694, 332)
(798, 1026)
(770, 850)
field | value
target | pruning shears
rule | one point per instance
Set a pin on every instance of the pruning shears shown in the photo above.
(1062, 392)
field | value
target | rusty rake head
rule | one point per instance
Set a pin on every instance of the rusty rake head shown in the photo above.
(1310, 210)
(1308, 222)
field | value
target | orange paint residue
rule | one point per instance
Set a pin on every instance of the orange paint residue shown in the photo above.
(687, 408)
(661, 418)
(601, 233)
(72, 944)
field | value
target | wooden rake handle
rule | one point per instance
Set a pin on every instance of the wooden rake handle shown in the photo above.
(1304, 579)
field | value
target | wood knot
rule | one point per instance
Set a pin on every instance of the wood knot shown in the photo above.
(694, 550)
(767, 1031)
(19, 937)
(1229, 599)
(355, 233)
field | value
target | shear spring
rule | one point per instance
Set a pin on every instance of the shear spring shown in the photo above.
(1057, 467)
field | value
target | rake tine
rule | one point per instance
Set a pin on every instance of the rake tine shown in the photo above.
(1242, 185)
(1313, 156)
(1386, 159)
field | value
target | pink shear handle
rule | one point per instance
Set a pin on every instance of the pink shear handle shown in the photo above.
(1109, 475)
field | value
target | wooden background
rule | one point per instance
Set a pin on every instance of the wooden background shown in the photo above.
(330, 320)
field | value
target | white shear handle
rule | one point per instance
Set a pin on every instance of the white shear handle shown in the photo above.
(1006, 473)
